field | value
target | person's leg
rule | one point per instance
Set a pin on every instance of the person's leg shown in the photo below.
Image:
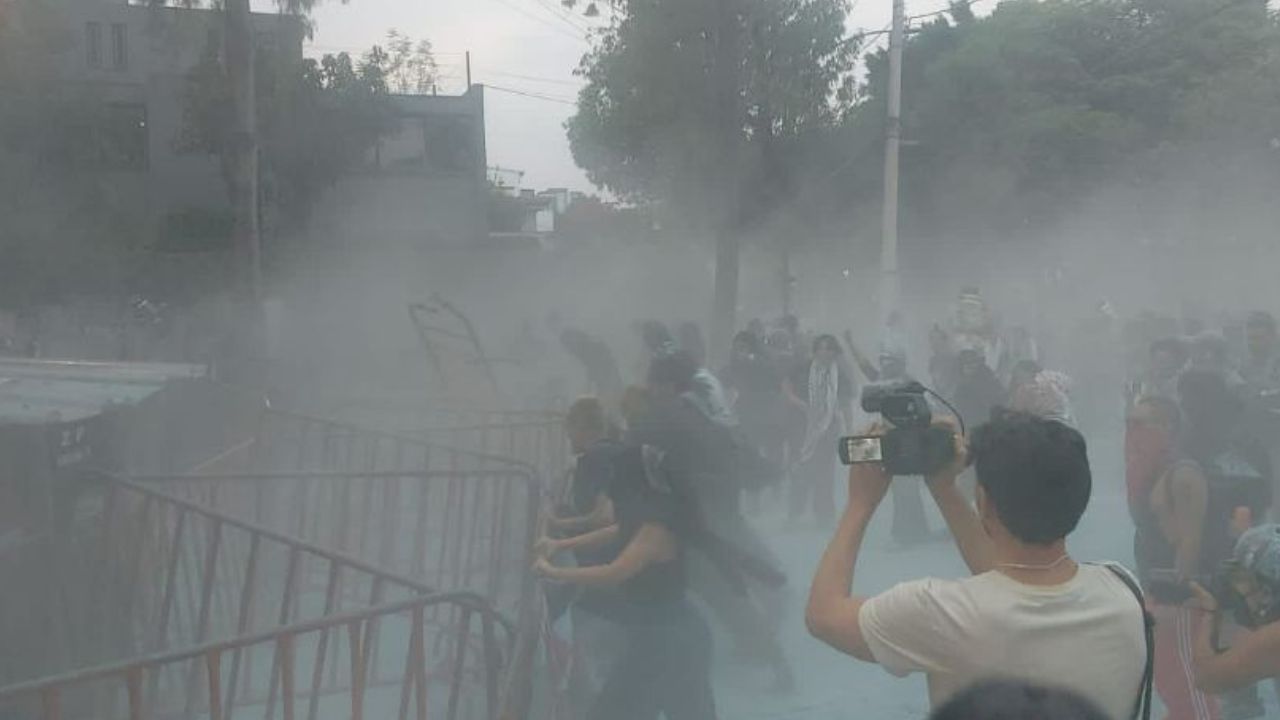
(1174, 674)
(685, 690)
(632, 688)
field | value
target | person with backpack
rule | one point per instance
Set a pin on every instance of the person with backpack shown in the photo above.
(731, 568)
(664, 665)
(1214, 486)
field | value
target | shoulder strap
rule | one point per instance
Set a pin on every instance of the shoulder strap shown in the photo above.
(1142, 708)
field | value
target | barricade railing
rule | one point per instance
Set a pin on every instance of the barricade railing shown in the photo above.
(392, 666)
(450, 518)
(534, 438)
(457, 529)
(144, 570)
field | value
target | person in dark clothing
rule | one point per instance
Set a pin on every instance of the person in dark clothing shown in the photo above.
(978, 391)
(665, 666)
(910, 524)
(755, 384)
(586, 507)
(701, 454)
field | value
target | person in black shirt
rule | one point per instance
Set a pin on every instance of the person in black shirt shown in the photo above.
(756, 386)
(584, 507)
(665, 668)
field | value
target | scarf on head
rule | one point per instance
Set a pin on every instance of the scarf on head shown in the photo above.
(824, 394)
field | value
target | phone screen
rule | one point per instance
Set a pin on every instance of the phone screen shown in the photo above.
(858, 450)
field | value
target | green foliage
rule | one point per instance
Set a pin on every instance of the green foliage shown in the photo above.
(1015, 117)
(649, 126)
(317, 119)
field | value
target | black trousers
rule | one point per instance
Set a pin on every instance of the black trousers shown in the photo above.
(664, 671)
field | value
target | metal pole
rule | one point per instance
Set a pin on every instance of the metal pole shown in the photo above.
(468, 70)
(889, 288)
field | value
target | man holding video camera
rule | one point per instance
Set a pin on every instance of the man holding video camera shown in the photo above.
(1029, 612)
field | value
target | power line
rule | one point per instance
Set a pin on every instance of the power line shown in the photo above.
(530, 78)
(951, 9)
(535, 96)
(562, 15)
(541, 20)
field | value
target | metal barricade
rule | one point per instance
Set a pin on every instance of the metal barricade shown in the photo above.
(390, 667)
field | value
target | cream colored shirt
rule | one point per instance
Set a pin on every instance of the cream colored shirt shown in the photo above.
(1085, 635)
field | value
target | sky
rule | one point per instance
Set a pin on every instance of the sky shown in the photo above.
(526, 46)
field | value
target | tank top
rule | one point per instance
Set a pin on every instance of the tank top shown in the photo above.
(1231, 482)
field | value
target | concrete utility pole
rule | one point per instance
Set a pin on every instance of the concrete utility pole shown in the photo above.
(239, 52)
(728, 47)
(889, 287)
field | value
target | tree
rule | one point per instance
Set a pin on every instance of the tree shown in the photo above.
(693, 104)
(1017, 117)
(410, 67)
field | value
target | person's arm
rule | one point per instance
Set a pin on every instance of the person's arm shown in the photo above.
(1190, 496)
(832, 614)
(962, 520)
(589, 541)
(652, 544)
(601, 516)
(1253, 657)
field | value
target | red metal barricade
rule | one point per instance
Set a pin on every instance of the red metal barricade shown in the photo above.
(390, 666)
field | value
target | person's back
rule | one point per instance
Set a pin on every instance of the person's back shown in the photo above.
(1030, 611)
(1082, 634)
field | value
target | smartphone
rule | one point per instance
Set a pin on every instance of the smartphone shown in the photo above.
(860, 450)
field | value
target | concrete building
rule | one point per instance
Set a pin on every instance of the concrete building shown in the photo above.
(132, 62)
(422, 186)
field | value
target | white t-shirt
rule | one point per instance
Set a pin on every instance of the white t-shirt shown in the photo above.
(1085, 635)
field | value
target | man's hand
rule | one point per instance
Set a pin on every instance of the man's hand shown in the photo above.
(1203, 600)
(543, 568)
(946, 477)
(545, 547)
(868, 482)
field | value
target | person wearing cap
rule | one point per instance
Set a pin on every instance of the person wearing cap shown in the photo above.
(1252, 587)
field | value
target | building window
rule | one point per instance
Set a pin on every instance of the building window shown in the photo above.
(119, 46)
(122, 137)
(93, 44)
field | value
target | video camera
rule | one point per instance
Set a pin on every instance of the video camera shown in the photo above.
(913, 445)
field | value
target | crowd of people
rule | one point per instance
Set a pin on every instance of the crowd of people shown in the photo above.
(654, 527)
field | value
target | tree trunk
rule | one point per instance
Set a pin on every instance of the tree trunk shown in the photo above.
(243, 160)
(727, 75)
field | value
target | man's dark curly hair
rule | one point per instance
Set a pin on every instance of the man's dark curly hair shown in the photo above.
(1036, 474)
(1014, 700)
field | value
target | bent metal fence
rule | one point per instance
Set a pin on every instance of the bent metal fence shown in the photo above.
(425, 682)
(448, 518)
(148, 572)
